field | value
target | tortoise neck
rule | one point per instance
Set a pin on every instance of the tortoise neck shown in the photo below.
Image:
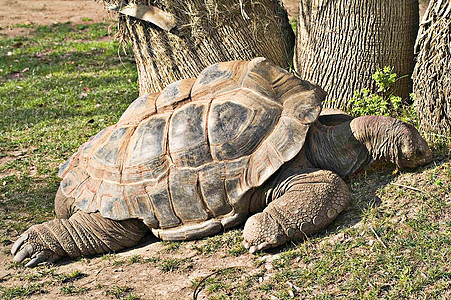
(379, 135)
(335, 148)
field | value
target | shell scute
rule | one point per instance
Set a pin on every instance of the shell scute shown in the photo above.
(146, 155)
(253, 118)
(219, 78)
(261, 76)
(174, 93)
(112, 203)
(188, 143)
(290, 138)
(107, 158)
(140, 204)
(262, 164)
(72, 180)
(83, 152)
(162, 204)
(235, 184)
(139, 109)
(108, 153)
(186, 197)
(149, 141)
(87, 194)
(212, 188)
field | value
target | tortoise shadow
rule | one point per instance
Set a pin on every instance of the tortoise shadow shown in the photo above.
(363, 187)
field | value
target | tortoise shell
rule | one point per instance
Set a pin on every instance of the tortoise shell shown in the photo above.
(191, 152)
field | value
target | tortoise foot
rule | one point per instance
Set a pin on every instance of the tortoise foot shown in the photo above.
(29, 246)
(262, 232)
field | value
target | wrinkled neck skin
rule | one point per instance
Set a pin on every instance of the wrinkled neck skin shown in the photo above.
(353, 145)
(380, 135)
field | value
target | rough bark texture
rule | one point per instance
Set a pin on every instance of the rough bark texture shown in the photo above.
(206, 32)
(341, 43)
(432, 75)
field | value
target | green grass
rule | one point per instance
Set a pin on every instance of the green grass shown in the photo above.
(58, 86)
(70, 289)
(121, 292)
(174, 264)
(231, 241)
(70, 277)
(22, 291)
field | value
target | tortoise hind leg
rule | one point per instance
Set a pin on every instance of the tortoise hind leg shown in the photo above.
(310, 202)
(63, 205)
(82, 234)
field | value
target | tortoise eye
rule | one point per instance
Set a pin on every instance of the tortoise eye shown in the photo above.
(420, 152)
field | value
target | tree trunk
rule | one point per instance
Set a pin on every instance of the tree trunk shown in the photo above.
(432, 75)
(341, 43)
(205, 32)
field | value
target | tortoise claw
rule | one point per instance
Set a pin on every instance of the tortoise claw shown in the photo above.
(22, 239)
(37, 259)
(254, 248)
(23, 248)
(25, 251)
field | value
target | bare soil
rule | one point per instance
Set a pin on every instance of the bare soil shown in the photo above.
(144, 280)
(47, 12)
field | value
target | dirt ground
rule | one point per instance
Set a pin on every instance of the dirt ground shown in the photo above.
(46, 12)
(144, 280)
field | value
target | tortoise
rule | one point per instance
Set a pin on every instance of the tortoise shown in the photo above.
(243, 138)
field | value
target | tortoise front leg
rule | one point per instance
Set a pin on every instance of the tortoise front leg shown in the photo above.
(307, 203)
(81, 234)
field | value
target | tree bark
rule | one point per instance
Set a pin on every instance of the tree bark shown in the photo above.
(341, 43)
(205, 32)
(432, 75)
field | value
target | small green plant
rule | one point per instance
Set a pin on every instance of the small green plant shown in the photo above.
(134, 259)
(70, 277)
(171, 245)
(169, 265)
(383, 102)
(121, 292)
(230, 241)
(150, 260)
(294, 24)
(40, 274)
(22, 26)
(70, 289)
(22, 291)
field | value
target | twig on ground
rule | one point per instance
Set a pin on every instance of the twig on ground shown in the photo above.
(2, 278)
(378, 238)
(198, 287)
(292, 286)
(408, 187)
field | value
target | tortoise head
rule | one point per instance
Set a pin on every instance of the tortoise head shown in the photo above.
(413, 150)
(392, 140)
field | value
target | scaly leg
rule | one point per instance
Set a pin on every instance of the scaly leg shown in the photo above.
(81, 234)
(307, 203)
(63, 205)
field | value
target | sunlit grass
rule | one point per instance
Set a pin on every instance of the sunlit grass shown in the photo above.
(58, 86)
